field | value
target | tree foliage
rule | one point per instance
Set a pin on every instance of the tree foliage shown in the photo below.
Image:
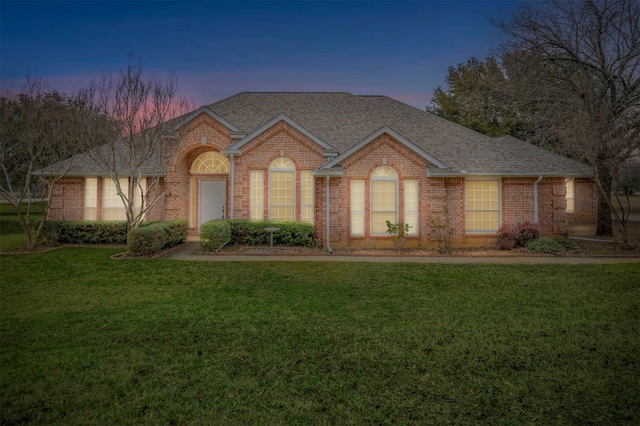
(577, 65)
(142, 110)
(567, 77)
(38, 128)
(471, 99)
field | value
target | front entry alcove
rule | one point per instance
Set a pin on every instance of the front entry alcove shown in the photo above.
(208, 188)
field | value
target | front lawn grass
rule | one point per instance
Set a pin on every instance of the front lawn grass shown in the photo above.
(12, 235)
(88, 340)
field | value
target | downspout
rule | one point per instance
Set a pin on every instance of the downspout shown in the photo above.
(328, 208)
(535, 199)
(232, 185)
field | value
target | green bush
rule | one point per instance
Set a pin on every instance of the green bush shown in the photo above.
(214, 234)
(565, 242)
(253, 232)
(155, 237)
(85, 232)
(546, 246)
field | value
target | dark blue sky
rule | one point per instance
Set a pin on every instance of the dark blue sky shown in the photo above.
(400, 49)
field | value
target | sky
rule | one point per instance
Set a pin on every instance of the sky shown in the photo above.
(401, 49)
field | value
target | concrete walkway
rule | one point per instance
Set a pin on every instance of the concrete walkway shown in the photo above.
(189, 250)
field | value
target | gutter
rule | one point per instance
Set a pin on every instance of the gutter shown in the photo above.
(232, 184)
(535, 199)
(328, 216)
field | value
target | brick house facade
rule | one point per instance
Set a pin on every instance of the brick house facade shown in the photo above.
(278, 155)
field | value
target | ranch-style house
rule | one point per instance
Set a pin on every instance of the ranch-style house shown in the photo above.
(346, 164)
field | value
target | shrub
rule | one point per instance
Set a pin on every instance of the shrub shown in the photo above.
(565, 242)
(507, 239)
(214, 234)
(546, 246)
(527, 232)
(153, 238)
(85, 232)
(520, 235)
(253, 232)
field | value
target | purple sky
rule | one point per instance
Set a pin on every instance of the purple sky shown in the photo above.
(400, 49)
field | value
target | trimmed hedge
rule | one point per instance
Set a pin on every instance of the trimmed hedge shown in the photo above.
(85, 232)
(214, 234)
(154, 238)
(290, 233)
(248, 232)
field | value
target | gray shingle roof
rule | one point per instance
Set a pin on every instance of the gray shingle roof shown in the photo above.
(342, 120)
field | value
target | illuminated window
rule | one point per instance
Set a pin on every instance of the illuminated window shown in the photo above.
(90, 198)
(411, 205)
(112, 206)
(210, 162)
(570, 196)
(257, 195)
(281, 189)
(357, 207)
(384, 199)
(306, 196)
(482, 204)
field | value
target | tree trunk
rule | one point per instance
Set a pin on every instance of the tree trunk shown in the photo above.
(604, 225)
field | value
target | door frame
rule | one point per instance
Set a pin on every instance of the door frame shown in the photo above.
(200, 198)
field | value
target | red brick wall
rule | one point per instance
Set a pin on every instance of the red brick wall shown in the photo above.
(284, 140)
(67, 202)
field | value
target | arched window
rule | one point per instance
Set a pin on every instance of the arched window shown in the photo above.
(384, 199)
(210, 162)
(281, 189)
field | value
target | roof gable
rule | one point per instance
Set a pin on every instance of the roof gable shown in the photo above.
(236, 148)
(384, 130)
(205, 110)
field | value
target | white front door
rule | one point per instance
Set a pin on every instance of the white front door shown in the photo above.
(213, 200)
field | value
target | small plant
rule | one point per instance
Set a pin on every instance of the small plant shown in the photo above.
(565, 242)
(527, 232)
(521, 235)
(398, 232)
(507, 238)
(546, 246)
(441, 229)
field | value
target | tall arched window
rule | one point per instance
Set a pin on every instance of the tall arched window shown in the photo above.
(281, 189)
(384, 199)
(210, 162)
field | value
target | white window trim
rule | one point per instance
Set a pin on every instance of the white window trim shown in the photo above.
(414, 226)
(311, 196)
(123, 182)
(291, 170)
(488, 179)
(252, 205)
(570, 181)
(360, 209)
(91, 202)
(371, 212)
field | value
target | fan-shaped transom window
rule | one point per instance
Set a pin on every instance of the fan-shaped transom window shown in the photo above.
(210, 162)
(384, 172)
(282, 163)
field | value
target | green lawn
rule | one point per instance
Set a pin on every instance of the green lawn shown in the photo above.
(12, 234)
(88, 340)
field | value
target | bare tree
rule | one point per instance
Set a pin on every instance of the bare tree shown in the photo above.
(575, 66)
(142, 113)
(38, 129)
